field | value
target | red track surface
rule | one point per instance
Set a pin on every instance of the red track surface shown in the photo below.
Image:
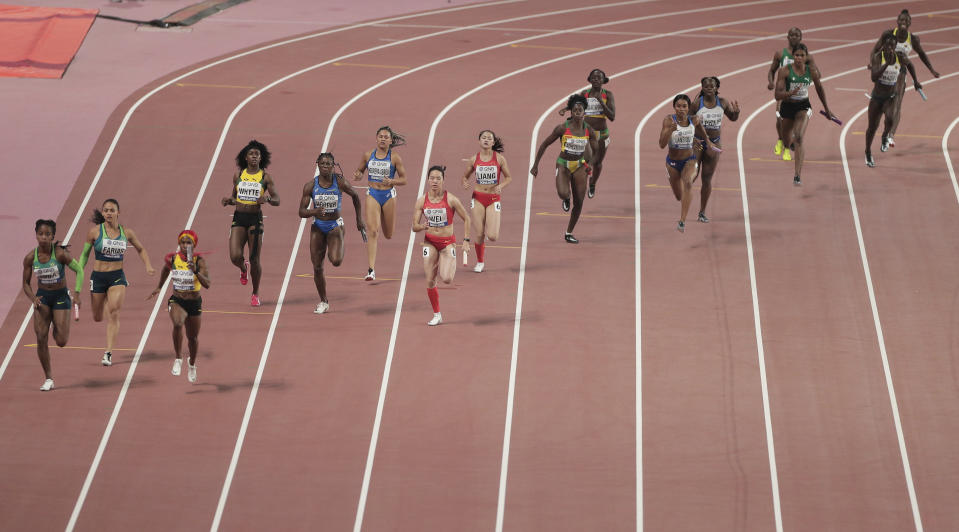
(572, 451)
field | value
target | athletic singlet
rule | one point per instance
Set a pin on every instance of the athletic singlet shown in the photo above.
(50, 272)
(438, 214)
(889, 76)
(906, 46)
(487, 172)
(109, 249)
(682, 138)
(803, 81)
(710, 117)
(573, 144)
(379, 169)
(328, 199)
(184, 280)
(593, 108)
(786, 59)
(249, 187)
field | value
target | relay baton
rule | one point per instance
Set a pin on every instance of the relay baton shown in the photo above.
(76, 312)
(836, 120)
(923, 94)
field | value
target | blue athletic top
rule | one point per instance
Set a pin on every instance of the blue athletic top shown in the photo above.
(379, 169)
(109, 249)
(328, 199)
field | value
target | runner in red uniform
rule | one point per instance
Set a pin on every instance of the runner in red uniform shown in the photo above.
(492, 176)
(433, 212)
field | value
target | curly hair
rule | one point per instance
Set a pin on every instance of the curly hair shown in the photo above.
(253, 145)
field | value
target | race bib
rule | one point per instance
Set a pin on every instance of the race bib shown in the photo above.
(183, 280)
(436, 217)
(803, 93)
(248, 191)
(113, 249)
(576, 145)
(48, 275)
(486, 175)
(378, 170)
(593, 107)
(328, 202)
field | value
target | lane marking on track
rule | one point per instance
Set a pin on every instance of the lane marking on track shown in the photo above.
(236, 312)
(715, 189)
(126, 118)
(402, 67)
(887, 371)
(101, 349)
(807, 161)
(905, 135)
(585, 215)
(743, 32)
(543, 47)
(214, 86)
(945, 153)
(310, 275)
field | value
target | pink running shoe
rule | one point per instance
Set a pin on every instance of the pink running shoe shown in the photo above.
(255, 301)
(243, 276)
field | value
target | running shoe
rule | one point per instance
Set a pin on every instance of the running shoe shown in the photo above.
(892, 143)
(370, 275)
(565, 205)
(797, 181)
(107, 359)
(592, 190)
(437, 319)
(177, 364)
(870, 162)
(254, 300)
(479, 267)
(787, 155)
(778, 150)
(570, 239)
(244, 275)
(681, 227)
(321, 308)
(191, 372)
(702, 218)
(47, 385)
(884, 147)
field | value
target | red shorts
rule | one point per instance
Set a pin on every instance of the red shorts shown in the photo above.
(439, 242)
(485, 198)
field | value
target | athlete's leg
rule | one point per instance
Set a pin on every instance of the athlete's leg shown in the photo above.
(41, 325)
(372, 228)
(115, 296)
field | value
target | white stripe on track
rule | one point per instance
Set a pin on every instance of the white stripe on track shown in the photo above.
(145, 97)
(945, 153)
(887, 372)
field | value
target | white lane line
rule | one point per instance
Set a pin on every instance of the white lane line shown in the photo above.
(945, 153)
(126, 118)
(894, 403)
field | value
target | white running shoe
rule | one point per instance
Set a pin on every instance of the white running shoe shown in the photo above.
(479, 267)
(892, 143)
(884, 147)
(107, 359)
(177, 364)
(370, 275)
(321, 308)
(437, 319)
(47, 385)
(191, 372)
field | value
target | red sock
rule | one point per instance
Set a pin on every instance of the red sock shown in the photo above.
(434, 295)
(480, 251)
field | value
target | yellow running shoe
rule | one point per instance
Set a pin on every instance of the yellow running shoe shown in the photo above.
(779, 147)
(787, 156)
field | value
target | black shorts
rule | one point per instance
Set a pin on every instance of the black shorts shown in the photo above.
(881, 100)
(100, 282)
(789, 108)
(249, 219)
(191, 306)
(55, 299)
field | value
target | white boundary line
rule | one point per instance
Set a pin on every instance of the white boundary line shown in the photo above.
(945, 153)
(145, 97)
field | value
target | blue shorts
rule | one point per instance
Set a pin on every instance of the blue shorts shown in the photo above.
(100, 282)
(714, 140)
(55, 299)
(679, 164)
(381, 196)
(328, 225)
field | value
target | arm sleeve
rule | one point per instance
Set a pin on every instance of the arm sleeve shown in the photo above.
(78, 268)
(84, 255)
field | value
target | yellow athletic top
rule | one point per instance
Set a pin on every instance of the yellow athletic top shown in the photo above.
(184, 280)
(249, 188)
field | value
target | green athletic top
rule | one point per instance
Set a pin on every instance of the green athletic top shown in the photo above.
(47, 273)
(803, 81)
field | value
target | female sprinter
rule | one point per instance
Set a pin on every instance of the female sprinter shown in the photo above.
(51, 302)
(492, 176)
(384, 170)
(600, 106)
(792, 89)
(572, 163)
(886, 70)
(326, 232)
(252, 187)
(905, 42)
(783, 58)
(434, 213)
(185, 305)
(678, 132)
(108, 284)
(710, 109)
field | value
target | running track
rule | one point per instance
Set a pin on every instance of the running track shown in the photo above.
(789, 366)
